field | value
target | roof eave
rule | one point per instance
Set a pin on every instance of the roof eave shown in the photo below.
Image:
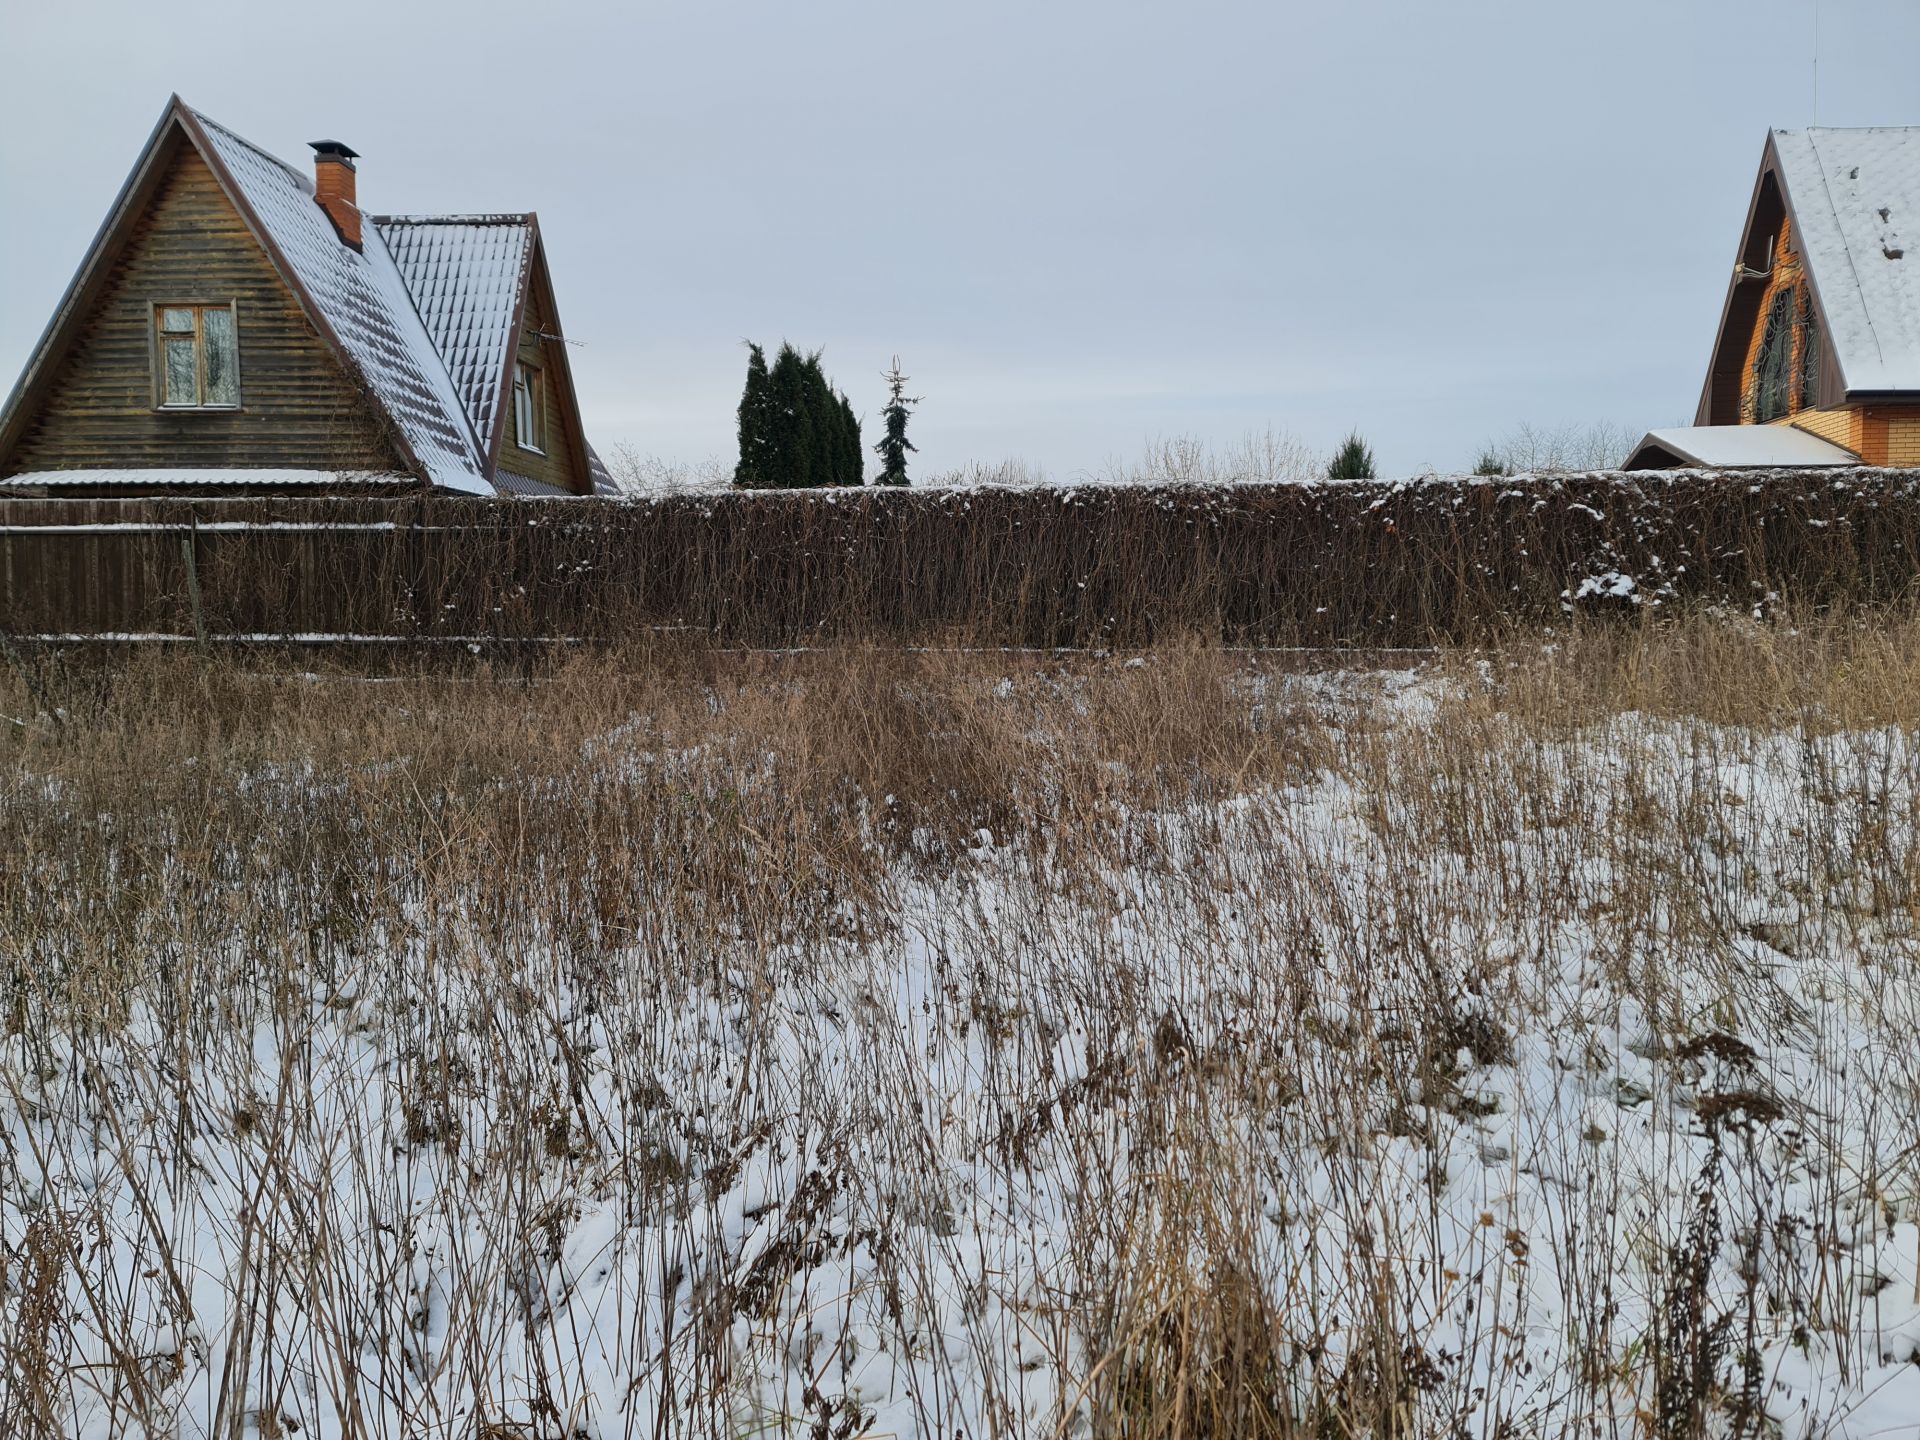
(13, 411)
(584, 477)
(497, 432)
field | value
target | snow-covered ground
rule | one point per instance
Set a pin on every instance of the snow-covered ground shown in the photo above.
(1530, 1083)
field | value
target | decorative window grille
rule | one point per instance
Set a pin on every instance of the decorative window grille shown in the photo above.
(1773, 367)
(1809, 352)
(196, 357)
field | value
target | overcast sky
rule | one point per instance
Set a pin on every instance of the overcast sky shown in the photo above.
(1080, 224)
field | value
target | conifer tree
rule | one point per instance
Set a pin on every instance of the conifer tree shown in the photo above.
(1352, 461)
(823, 426)
(853, 458)
(796, 430)
(790, 456)
(756, 424)
(892, 447)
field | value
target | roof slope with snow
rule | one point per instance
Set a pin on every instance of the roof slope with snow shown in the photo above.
(1737, 447)
(464, 273)
(1856, 207)
(362, 299)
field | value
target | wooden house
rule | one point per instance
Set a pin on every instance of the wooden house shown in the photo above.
(239, 327)
(1817, 359)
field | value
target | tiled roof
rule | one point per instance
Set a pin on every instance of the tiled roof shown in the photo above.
(422, 310)
(603, 481)
(1856, 210)
(363, 300)
(464, 273)
(526, 486)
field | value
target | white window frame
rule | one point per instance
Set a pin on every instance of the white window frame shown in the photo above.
(529, 408)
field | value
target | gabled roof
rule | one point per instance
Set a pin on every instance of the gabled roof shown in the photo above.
(465, 273)
(425, 313)
(1736, 447)
(1855, 200)
(358, 297)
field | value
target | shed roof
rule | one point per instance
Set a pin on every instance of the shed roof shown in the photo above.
(1736, 447)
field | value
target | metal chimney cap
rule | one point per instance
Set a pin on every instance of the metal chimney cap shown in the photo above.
(333, 150)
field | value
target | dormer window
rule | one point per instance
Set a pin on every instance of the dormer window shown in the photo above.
(196, 357)
(529, 409)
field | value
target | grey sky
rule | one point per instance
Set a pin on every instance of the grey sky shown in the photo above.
(1080, 224)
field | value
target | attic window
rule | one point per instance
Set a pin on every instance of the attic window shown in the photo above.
(1773, 366)
(1809, 354)
(529, 409)
(196, 357)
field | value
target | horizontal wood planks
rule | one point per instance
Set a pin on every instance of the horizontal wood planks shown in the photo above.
(299, 406)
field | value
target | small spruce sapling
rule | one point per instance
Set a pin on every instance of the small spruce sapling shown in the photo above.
(1352, 461)
(1490, 463)
(892, 447)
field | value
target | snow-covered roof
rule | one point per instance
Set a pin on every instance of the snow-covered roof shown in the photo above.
(1855, 196)
(464, 273)
(603, 481)
(527, 487)
(1738, 447)
(362, 299)
(238, 478)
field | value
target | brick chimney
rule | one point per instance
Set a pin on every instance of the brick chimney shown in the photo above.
(333, 187)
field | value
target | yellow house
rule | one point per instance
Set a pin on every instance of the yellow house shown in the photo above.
(1817, 359)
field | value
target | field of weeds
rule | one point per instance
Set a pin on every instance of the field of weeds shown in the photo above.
(1181, 1043)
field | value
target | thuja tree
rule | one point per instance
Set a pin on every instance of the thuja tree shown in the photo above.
(757, 424)
(892, 447)
(1352, 461)
(796, 430)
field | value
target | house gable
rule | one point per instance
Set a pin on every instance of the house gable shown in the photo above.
(1828, 222)
(1769, 265)
(90, 399)
(561, 457)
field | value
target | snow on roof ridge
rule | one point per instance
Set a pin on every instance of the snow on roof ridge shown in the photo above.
(1843, 129)
(305, 181)
(497, 217)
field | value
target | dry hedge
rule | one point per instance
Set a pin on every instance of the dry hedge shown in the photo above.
(1370, 563)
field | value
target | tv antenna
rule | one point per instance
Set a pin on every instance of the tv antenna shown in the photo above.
(1816, 62)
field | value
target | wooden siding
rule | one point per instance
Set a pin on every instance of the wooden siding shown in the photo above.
(299, 406)
(562, 464)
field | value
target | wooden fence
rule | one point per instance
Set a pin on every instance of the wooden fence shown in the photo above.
(1365, 563)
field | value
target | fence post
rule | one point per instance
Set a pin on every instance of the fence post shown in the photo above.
(193, 583)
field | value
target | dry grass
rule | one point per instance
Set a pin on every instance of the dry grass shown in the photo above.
(678, 1041)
